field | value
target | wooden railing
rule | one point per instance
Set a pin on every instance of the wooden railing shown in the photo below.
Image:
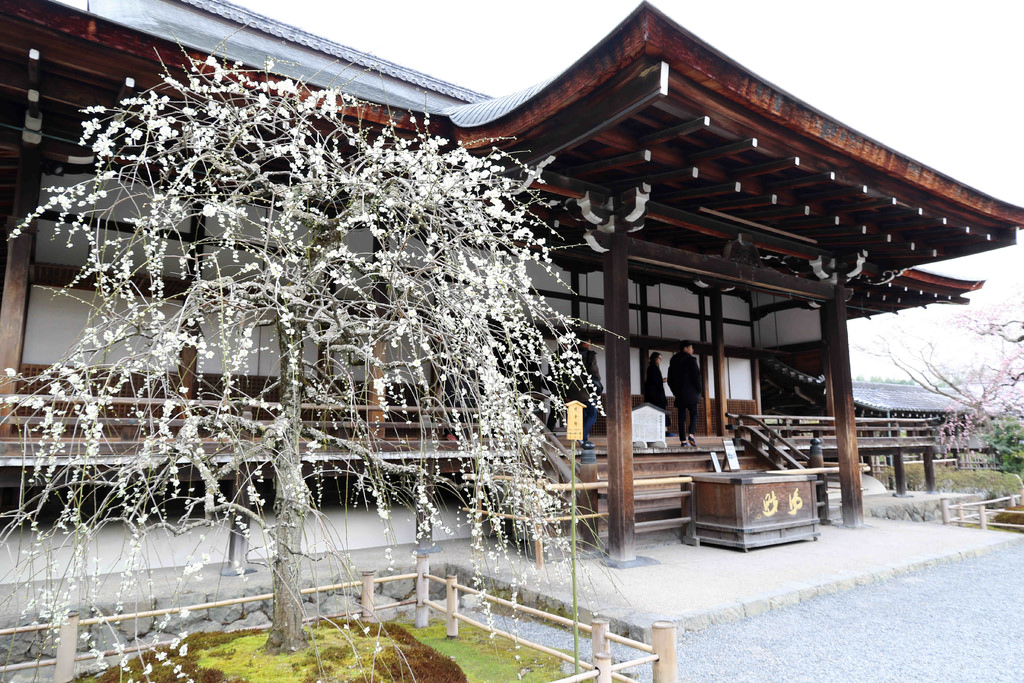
(785, 441)
(660, 653)
(979, 514)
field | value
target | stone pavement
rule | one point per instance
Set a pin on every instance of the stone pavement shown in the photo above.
(696, 587)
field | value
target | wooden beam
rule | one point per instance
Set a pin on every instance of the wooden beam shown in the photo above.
(724, 271)
(719, 228)
(630, 93)
(768, 167)
(718, 358)
(620, 161)
(723, 151)
(680, 131)
(802, 181)
(744, 202)
(686, 173)
(841, 387)
(731, 187)
(780, 212)
(619, 401)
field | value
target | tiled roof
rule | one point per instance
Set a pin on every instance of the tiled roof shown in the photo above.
(237, 33)
(899, 397)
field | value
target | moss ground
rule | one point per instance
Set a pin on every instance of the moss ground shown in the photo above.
(348, 653)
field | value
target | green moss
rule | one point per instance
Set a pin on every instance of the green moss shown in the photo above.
(1008, 518)
(490, 660)
(347, 653)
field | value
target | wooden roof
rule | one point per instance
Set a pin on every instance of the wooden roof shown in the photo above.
(724, 152)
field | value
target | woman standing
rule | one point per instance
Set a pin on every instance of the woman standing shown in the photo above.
(654, 384)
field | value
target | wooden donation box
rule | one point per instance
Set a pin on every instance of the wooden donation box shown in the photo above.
(751, 509)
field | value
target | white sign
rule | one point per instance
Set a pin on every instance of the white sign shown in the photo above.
(714, 462)
(649, 425)
(730, 455)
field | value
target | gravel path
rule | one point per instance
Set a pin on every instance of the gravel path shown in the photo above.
(962, 621)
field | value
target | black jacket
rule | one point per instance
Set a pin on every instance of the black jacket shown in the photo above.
(654, 387)
(684, 379)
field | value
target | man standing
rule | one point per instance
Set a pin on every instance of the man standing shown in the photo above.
(684, 381)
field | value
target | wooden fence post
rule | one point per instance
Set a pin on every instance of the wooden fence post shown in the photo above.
(599, 635)
(422, 619)
(982, 518)
(367, 597)
(663, 639)
(603, 664)
(452, 625)
(945, 510)
(64, 671)
(960, 513)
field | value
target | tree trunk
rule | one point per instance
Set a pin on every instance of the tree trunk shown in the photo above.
(286, 632)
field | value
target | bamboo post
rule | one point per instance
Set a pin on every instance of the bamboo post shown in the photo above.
(945, 510)
(538, 551)
(367, 597)
(603, 664)
(599, 635)
(960, 513)
(452, 625)
(422, 619)
(663, 639)
(64, 671)
(589, 501)
(982, 517)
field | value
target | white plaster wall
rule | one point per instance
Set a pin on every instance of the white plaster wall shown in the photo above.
(53, 323)
(735, 308)
(797, 326)
(736, 335)
(55, 320)
(740, 383)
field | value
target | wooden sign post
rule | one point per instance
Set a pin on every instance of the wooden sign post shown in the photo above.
(574, 421)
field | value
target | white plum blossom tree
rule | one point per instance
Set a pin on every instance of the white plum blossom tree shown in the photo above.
(389, 268)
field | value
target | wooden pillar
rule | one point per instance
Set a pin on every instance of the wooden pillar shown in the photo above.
(826, 364)
(841, 390)
(574, 284)
(16, 286)
(755, 379)
(645, 349)
(718, 358)
(617, 396)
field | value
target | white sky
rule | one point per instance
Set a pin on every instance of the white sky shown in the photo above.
(938, 81)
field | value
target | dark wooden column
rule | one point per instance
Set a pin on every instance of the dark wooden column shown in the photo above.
(645, 349)
(14, 305)
(718, 358)
(619, 405)
(841, 387)
(755, 378)
(826, 364)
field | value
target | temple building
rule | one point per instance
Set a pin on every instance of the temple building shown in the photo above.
(699, 201)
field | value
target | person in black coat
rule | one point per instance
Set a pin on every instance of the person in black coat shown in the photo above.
(685, 382)
(654, 383)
